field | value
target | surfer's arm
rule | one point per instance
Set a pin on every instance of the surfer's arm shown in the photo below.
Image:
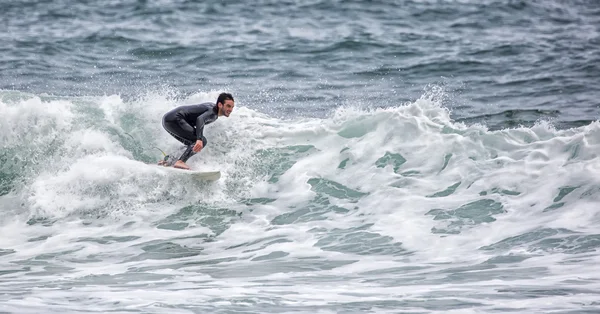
(201, 121)
(198, 146)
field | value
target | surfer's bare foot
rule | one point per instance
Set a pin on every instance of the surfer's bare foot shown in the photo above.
(162, 163)
(181, 165)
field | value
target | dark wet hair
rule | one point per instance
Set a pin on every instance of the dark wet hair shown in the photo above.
(223, 97)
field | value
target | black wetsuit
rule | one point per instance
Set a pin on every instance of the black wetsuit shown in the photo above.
(186, 124)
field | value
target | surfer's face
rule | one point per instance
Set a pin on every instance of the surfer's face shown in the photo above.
(226, 108)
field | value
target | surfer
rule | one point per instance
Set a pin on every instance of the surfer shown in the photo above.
(186, 124)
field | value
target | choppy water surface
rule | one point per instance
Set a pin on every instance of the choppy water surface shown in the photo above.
(383, 157)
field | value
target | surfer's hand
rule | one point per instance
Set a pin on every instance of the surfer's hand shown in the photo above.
(198, 146)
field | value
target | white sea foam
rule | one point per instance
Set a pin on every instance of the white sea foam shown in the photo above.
(387, 207)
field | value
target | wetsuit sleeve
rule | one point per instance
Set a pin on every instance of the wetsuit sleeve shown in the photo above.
(200, 122)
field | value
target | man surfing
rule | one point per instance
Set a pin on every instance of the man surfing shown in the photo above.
(186, 124)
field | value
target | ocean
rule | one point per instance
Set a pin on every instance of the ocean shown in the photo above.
(382, 157)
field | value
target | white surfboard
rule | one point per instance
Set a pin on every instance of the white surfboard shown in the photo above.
(203, 175)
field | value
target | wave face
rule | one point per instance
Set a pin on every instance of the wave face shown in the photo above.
(361, 210)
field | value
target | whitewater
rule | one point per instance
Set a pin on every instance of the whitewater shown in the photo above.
(384, 209)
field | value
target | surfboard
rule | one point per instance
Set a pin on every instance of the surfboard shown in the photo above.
(196, 174)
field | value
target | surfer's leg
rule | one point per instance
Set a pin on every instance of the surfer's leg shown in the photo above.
(189, 152)
(185, 134)
(181, 131)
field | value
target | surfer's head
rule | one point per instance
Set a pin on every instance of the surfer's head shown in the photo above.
(224, 104)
